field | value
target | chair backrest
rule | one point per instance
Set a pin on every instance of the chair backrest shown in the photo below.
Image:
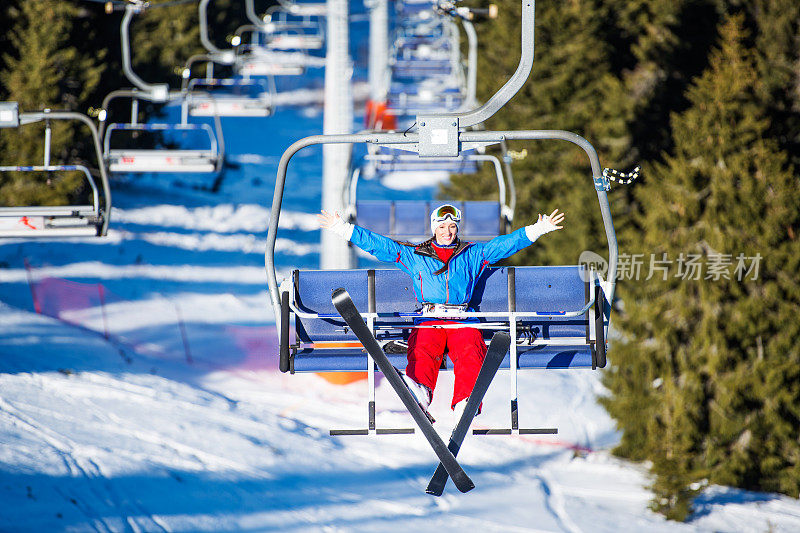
(410, 219)
(313, 289)
(491, 291)
(481, 219)
(552, 289)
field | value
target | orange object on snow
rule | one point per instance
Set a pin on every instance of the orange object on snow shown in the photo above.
(342, 378)
(378, 117)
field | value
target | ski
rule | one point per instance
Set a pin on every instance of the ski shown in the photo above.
(345, 306)
(498, 347)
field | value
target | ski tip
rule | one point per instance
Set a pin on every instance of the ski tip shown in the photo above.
(464, 485)
(434, 491)
(503, 336)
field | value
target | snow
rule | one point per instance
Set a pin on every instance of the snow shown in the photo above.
(112, 420)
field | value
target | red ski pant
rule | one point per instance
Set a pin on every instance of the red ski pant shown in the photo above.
(426, 349)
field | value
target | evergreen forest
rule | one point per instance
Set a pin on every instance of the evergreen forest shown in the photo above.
(704, 95)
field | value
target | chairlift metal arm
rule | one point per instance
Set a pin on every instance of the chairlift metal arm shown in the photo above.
(39, 116)
(250, 10)
(512, 188)
(127, 68)
(472, 63)
(202, 8)
(514, 84)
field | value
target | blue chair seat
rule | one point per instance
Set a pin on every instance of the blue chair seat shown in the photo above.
(552, 357)
(338, 360)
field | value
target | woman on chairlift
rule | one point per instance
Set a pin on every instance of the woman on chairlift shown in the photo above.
(444, 270)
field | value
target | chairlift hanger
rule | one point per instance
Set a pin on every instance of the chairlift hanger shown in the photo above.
(158, 160)
(450, 128)
(224, 57)
(447, 135)
(154, 160)
(55, 221)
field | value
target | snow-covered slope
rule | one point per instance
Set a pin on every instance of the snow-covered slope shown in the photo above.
(93, 437)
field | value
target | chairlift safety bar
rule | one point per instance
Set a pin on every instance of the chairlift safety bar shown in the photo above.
(93, 209)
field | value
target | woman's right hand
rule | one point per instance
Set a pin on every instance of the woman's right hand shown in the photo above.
(327, 220)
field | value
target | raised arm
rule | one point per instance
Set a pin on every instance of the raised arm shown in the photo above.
(380, 247)
(507, 245)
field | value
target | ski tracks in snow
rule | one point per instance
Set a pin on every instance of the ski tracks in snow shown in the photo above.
(78, 462)
(554, 500)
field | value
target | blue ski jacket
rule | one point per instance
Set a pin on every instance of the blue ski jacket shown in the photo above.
(435, 281)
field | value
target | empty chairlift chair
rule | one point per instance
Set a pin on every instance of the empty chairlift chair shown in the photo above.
(167, 151)
(228, 97)
(83, 219)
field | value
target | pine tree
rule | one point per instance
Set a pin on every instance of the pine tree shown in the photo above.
(163, 39)
(705, 386)
(44, 71)
(777, 49)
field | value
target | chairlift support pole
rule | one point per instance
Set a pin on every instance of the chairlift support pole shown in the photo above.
(378, 48)
(335, 253)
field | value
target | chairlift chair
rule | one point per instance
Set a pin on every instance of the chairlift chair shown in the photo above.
(255, 58)
(160, 158)
(557, 316)
(208, 159)
(229, 97)
(79, 220)
(138, 160)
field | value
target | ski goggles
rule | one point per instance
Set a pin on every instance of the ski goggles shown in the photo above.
(444, 211)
